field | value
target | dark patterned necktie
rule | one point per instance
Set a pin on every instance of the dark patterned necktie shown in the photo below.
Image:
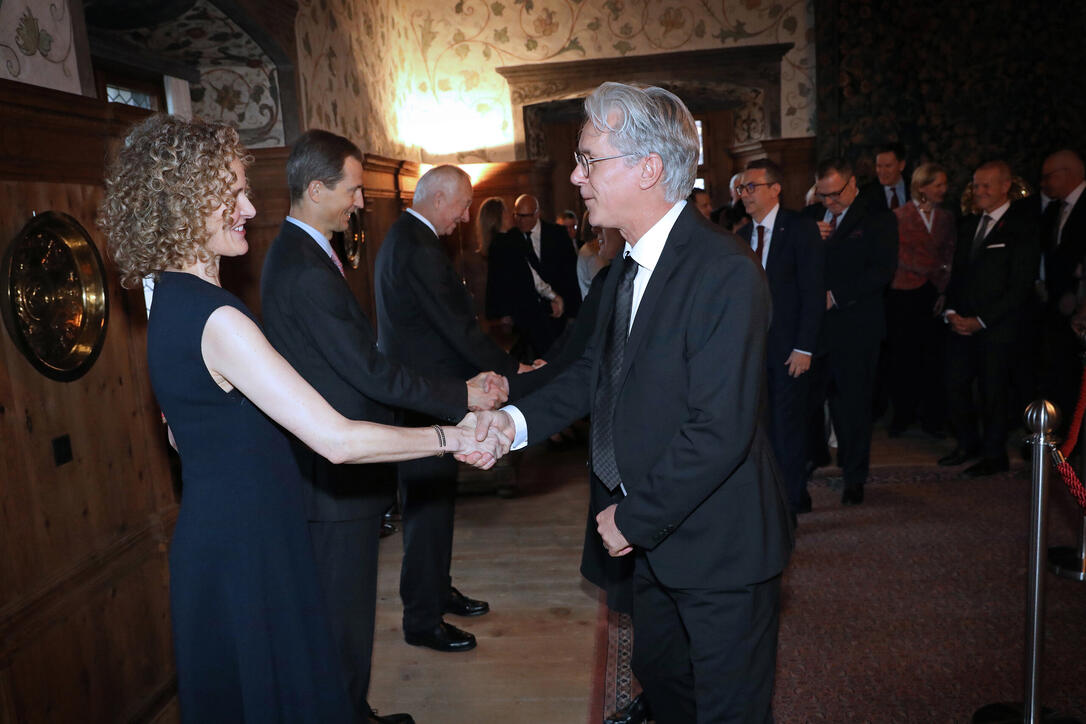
(894, 203)
(603, 406)
(761, 244)
(982, 231)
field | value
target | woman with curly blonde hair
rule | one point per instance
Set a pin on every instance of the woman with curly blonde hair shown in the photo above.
(251, 636)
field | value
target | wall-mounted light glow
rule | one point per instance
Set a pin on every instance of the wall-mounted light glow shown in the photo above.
(477, 171)
(450, 126)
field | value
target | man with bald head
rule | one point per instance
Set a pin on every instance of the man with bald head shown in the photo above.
(990, 284)
(425, 316)
(550, 253)
(1063, 245)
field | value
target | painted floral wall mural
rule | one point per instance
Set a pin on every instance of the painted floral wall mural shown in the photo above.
(238, 82)
(36, 44)
(418, 78)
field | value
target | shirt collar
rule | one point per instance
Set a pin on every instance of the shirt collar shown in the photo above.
(646, 252)
(769, 220)
(1072, 198)
(321, 239)
(997, 213)
(424, 220)
(536, 229)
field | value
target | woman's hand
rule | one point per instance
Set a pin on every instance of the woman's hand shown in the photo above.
(461, 442)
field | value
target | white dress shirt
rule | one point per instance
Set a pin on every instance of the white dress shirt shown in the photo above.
(646, 252)
(321, 239)
(768, 222)
(541, 287)
(424, 220)
(995, 215)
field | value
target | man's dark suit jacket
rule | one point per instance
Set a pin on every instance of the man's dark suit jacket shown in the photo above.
(874, 193)
(510, 291)
(995, 283)
(313, 319)
(425, 316)
(705, 500)
(558, 265)
(795, 268)
(861, 257)
(1061, 262)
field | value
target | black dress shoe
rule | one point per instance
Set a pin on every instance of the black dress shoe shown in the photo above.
(957, 456)
(987, 466)
(460, 605)
(636, 712)
(852, 496)
(375, 718)
(443, 637)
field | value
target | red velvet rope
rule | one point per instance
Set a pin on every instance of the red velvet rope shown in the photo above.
(1064, 467)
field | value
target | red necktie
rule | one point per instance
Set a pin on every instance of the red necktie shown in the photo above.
(761, 244)
(833, 223)
(335, 260)
(894, 203)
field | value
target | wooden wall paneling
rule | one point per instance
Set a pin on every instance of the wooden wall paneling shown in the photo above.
(561, 141)
(84, 629)
(718, 130)
(267, 177)
(796, 158)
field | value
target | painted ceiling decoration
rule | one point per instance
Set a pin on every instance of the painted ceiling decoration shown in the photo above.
(238, 82)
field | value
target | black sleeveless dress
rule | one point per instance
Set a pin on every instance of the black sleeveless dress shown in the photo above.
(251, 637)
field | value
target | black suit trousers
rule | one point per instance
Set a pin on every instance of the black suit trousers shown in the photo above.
(1061, 365)
(346, 557)
(845, 377)
(427, 506)
(788, 401)
(979, 359)
(915, 346)
(705, 655)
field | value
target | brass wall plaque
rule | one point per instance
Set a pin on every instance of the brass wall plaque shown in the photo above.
(354, 237)
(55, 303)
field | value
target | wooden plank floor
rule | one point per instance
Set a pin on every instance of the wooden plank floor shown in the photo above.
(534, 661)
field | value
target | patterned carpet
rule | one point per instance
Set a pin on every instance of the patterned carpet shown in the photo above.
(911, 607)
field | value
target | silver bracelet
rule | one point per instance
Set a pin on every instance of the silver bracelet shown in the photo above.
(440, 439)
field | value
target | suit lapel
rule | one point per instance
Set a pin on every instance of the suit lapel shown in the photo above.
(669, 258)
(777, 239)
(309, 246)
(852, 219)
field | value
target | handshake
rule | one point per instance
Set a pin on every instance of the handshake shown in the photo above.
(480, 439)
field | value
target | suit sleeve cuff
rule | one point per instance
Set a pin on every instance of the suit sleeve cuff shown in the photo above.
(520, 439)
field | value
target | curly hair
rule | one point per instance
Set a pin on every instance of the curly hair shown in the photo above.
(165, 181)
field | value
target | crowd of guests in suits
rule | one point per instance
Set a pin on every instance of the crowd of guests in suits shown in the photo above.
(887, 300)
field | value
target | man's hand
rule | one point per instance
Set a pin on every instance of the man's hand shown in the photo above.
(613, 540)
(536, 364)
(557, 306)
(498, 423)
(486, 391)
(482, 453)
(798, 363)
(824, 229)
(964, 326)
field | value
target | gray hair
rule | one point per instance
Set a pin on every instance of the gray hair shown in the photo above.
(649, 120)
(446, 178)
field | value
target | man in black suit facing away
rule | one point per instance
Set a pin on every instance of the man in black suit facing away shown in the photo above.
(991, 280)
(789, 248)
(550, 252)
(1063, 244)
(861, 256)
(674, 377)
(514, 289)
(426, 317)
(313, 319)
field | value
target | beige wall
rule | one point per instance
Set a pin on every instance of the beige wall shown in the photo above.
(416, 79)
(37, 44)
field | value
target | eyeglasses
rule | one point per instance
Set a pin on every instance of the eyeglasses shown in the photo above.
(834, 195)
(586, 163)
(527, 216)
(749, 187)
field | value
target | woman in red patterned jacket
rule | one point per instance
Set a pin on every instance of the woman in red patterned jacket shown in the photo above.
(914, 303)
